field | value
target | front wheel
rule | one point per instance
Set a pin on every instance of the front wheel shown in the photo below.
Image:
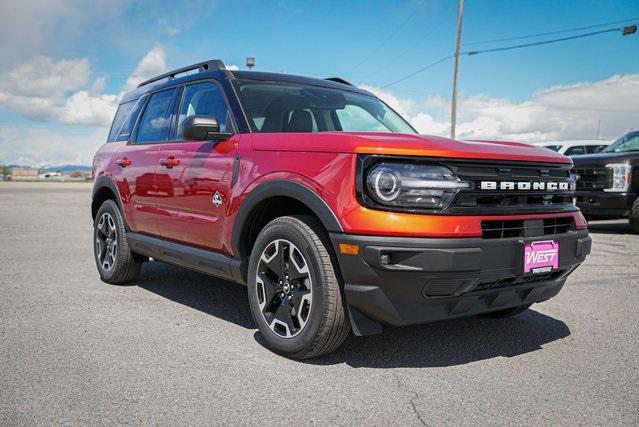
(293, 289)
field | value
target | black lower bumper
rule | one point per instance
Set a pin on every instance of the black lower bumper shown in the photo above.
(601, 204)
(401, 281)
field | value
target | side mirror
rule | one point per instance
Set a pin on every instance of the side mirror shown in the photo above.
(202, 128)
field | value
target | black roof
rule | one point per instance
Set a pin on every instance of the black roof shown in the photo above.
(169, 79)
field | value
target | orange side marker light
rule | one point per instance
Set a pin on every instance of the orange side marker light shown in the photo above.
(348, 249)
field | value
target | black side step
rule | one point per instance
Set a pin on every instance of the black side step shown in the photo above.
(208, 262)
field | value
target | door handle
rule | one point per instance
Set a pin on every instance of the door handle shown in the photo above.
(124, 162)
(170, 162)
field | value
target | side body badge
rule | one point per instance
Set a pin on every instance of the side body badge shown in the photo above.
(217, 199)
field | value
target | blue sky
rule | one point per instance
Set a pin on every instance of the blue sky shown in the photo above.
(369, 43)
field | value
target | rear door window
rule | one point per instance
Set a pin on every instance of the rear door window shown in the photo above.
(155, 122)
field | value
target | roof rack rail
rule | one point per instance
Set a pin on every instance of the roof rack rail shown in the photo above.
(213, 64)
(339, 80)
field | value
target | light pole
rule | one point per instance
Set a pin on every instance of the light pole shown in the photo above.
(453, 112)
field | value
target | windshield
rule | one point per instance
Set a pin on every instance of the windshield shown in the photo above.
(294, 107)
(629, 142)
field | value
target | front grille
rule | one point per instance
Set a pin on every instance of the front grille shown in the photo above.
(476, 200)
(526, 228)
(593, 178)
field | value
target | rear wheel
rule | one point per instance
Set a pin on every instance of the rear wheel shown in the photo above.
(115, 261)
(293, 289)
(634, 217)
(509, 312)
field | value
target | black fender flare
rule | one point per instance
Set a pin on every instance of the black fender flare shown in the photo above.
(105, 182)
(285, 188)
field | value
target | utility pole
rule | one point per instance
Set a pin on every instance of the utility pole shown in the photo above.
(453, 113)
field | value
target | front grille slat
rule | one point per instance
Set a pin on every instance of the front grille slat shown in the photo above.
(495, 229)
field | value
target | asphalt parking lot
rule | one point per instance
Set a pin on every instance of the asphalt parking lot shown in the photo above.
(180, 347)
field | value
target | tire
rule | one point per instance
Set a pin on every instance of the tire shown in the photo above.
(509, 312)
(116, 263)
(634, 217)
(294, 291)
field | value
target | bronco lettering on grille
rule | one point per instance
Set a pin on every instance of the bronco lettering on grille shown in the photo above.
(527, 185)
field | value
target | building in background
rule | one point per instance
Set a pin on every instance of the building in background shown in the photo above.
(24, 174)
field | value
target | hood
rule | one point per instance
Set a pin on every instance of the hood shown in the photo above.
(405, 145)
(605, 158)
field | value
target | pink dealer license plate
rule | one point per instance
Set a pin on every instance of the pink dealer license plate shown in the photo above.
(541, 257)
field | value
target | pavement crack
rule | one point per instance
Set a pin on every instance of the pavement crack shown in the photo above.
(402, 387)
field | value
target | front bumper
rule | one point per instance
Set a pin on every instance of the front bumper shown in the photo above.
(423, 279)
(605, 204)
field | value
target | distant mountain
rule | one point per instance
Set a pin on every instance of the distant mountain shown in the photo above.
(66, 168)
(60, 168)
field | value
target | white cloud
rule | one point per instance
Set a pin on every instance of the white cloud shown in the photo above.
(63, 94)
(560, 112)
(84, 108)
(232, 67)
(43, 89)
(49, 146)
(152, 64)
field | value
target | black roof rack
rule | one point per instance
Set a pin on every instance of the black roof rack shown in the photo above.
(339, 80)
(213, 64)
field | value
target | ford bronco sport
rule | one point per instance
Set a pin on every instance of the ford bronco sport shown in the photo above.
(328, 205)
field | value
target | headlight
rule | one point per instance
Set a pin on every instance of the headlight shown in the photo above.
(413, 186)
(620, 177)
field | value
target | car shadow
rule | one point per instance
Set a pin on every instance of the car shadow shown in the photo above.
(450, 343)
(447, 343)
(609, 227)
(224, 300)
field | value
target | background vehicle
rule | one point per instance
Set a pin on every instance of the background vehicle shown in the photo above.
(576, 147)
(328, 205)
(608, 182)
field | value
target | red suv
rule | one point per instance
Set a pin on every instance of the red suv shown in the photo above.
(328, 205)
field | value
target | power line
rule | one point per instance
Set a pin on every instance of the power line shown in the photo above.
(419, 71)
(520, 46)
(382, 43)
(568, 30)
(415, 42)
(499, 49)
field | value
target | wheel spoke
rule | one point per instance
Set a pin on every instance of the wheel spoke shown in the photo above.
(99, 246)
(301, 299)
(273, 260)
(111, 226)
(102, 225)
(270, 289)
(298, 268)
(284, 318)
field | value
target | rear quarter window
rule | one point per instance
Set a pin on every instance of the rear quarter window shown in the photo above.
(120, 117)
